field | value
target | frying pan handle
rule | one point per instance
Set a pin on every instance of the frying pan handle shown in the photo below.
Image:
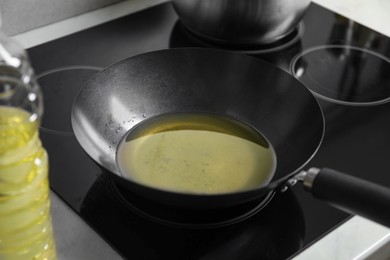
(349, 193)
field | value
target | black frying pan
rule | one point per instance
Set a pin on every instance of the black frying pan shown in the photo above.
(203, 80)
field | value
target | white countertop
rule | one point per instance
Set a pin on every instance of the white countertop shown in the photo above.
(374, 14)
(358, 238)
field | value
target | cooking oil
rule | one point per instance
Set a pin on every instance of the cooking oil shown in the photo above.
(199, 153)
(25, 222)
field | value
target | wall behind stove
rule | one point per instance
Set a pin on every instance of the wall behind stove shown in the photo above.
(23, 15)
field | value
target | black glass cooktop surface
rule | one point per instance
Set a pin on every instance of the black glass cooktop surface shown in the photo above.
(343, 63)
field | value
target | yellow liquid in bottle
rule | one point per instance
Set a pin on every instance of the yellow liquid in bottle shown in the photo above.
(25, 221)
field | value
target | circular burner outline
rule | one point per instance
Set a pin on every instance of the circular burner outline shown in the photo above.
(251, 50)
(258, 207)
(334, 46)
(60, 69)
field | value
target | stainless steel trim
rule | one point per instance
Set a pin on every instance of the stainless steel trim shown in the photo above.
(309, 177)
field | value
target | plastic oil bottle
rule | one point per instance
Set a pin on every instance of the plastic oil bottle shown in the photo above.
(25, 220)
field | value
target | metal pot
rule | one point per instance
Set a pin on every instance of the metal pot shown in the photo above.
(244, 22)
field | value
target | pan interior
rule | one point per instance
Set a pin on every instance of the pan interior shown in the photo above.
(198, 153)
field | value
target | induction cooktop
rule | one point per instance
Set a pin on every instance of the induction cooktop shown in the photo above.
(343, 63)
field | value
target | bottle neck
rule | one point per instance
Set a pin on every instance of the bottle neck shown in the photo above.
(15, 93)
(18, 87)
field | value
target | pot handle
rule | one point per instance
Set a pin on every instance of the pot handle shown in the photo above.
(348, 193)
